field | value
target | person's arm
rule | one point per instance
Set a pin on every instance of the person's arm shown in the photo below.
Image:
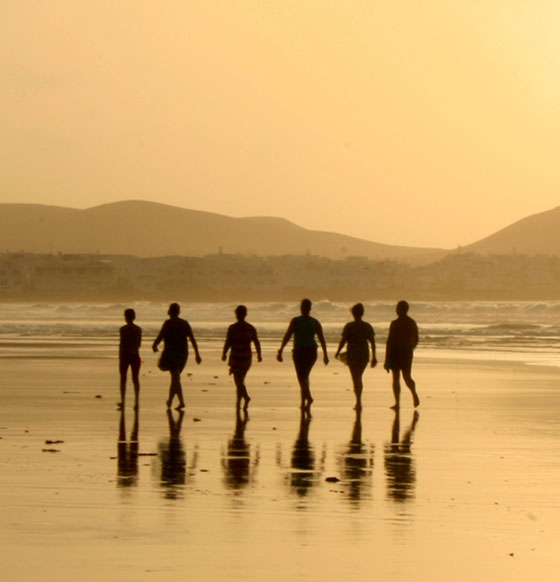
(323, 343)
(342, 343)
(387, 364)
(257, 344)
(139, 338)
(415, 336)
(158, 339)
(372, 344)
(197, 357)
(285, 340)
(227, 345)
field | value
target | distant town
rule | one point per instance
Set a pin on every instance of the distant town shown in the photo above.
(224, 277)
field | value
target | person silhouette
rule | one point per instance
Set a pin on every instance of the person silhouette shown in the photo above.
(173, 458)
(304, 328)
(302, 476)
(174, 333)
(358, 334)
(236, 462)
(127, 453)
(129, 356)
(401, 341)
(357, 462)
(239, 337)
(399, 463)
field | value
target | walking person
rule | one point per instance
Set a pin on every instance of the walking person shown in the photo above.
(359, 336)
(174, 333)
(129, 356)
(240, 336)
(304, 328)
(401, 342)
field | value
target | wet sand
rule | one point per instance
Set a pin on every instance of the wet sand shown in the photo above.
(466, 489)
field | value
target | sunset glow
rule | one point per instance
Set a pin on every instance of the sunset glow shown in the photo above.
(414, 123)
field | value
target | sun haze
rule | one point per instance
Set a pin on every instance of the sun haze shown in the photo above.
(428, 123)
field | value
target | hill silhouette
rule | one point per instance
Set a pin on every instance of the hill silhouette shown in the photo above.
(533, 235)
(150, 229)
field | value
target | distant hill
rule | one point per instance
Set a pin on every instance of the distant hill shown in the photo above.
(533, 235)
(149, 229)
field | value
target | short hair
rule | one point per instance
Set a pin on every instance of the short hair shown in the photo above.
(241, 311)
(305, 305)
(358, 310)
(174, 309)
(129, 314)
(402, 307)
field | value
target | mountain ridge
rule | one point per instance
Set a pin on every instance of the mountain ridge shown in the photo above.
(149, 229)
(532, 235)
(145, 228)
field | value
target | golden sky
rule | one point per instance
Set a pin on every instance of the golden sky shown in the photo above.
(413, 122)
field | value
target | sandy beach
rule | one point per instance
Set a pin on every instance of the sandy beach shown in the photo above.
(467, 488)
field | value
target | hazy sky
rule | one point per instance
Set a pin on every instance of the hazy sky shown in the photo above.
(417, 122)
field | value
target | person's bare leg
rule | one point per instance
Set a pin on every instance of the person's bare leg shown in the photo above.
(306, 393)
(303, 371)
(136, 381)
(242, 393)
(171, 394)
(172, 388)
(120, 404)
(411, 384)
(176, 375)
(309, 397)
(301, 392)
(246, 396)
(396, 388)
(238, 388)
(136, 395)
(357, 372)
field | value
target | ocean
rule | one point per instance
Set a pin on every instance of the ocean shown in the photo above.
(526, 332)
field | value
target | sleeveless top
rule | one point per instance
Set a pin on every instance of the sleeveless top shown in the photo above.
(357, 335)
(305, 328)
(239, 338)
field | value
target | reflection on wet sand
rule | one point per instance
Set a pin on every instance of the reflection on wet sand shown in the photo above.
(303, 458)
(239, 461)
(127, 453)
(236, 461)
(303, 472)
(173, 459)
(399, 463)
(357, 463)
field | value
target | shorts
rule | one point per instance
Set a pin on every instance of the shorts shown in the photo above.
(400, 358)
(304, 359)
(130, 360)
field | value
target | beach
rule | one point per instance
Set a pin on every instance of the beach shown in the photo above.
(466, 487)
(376, 180)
